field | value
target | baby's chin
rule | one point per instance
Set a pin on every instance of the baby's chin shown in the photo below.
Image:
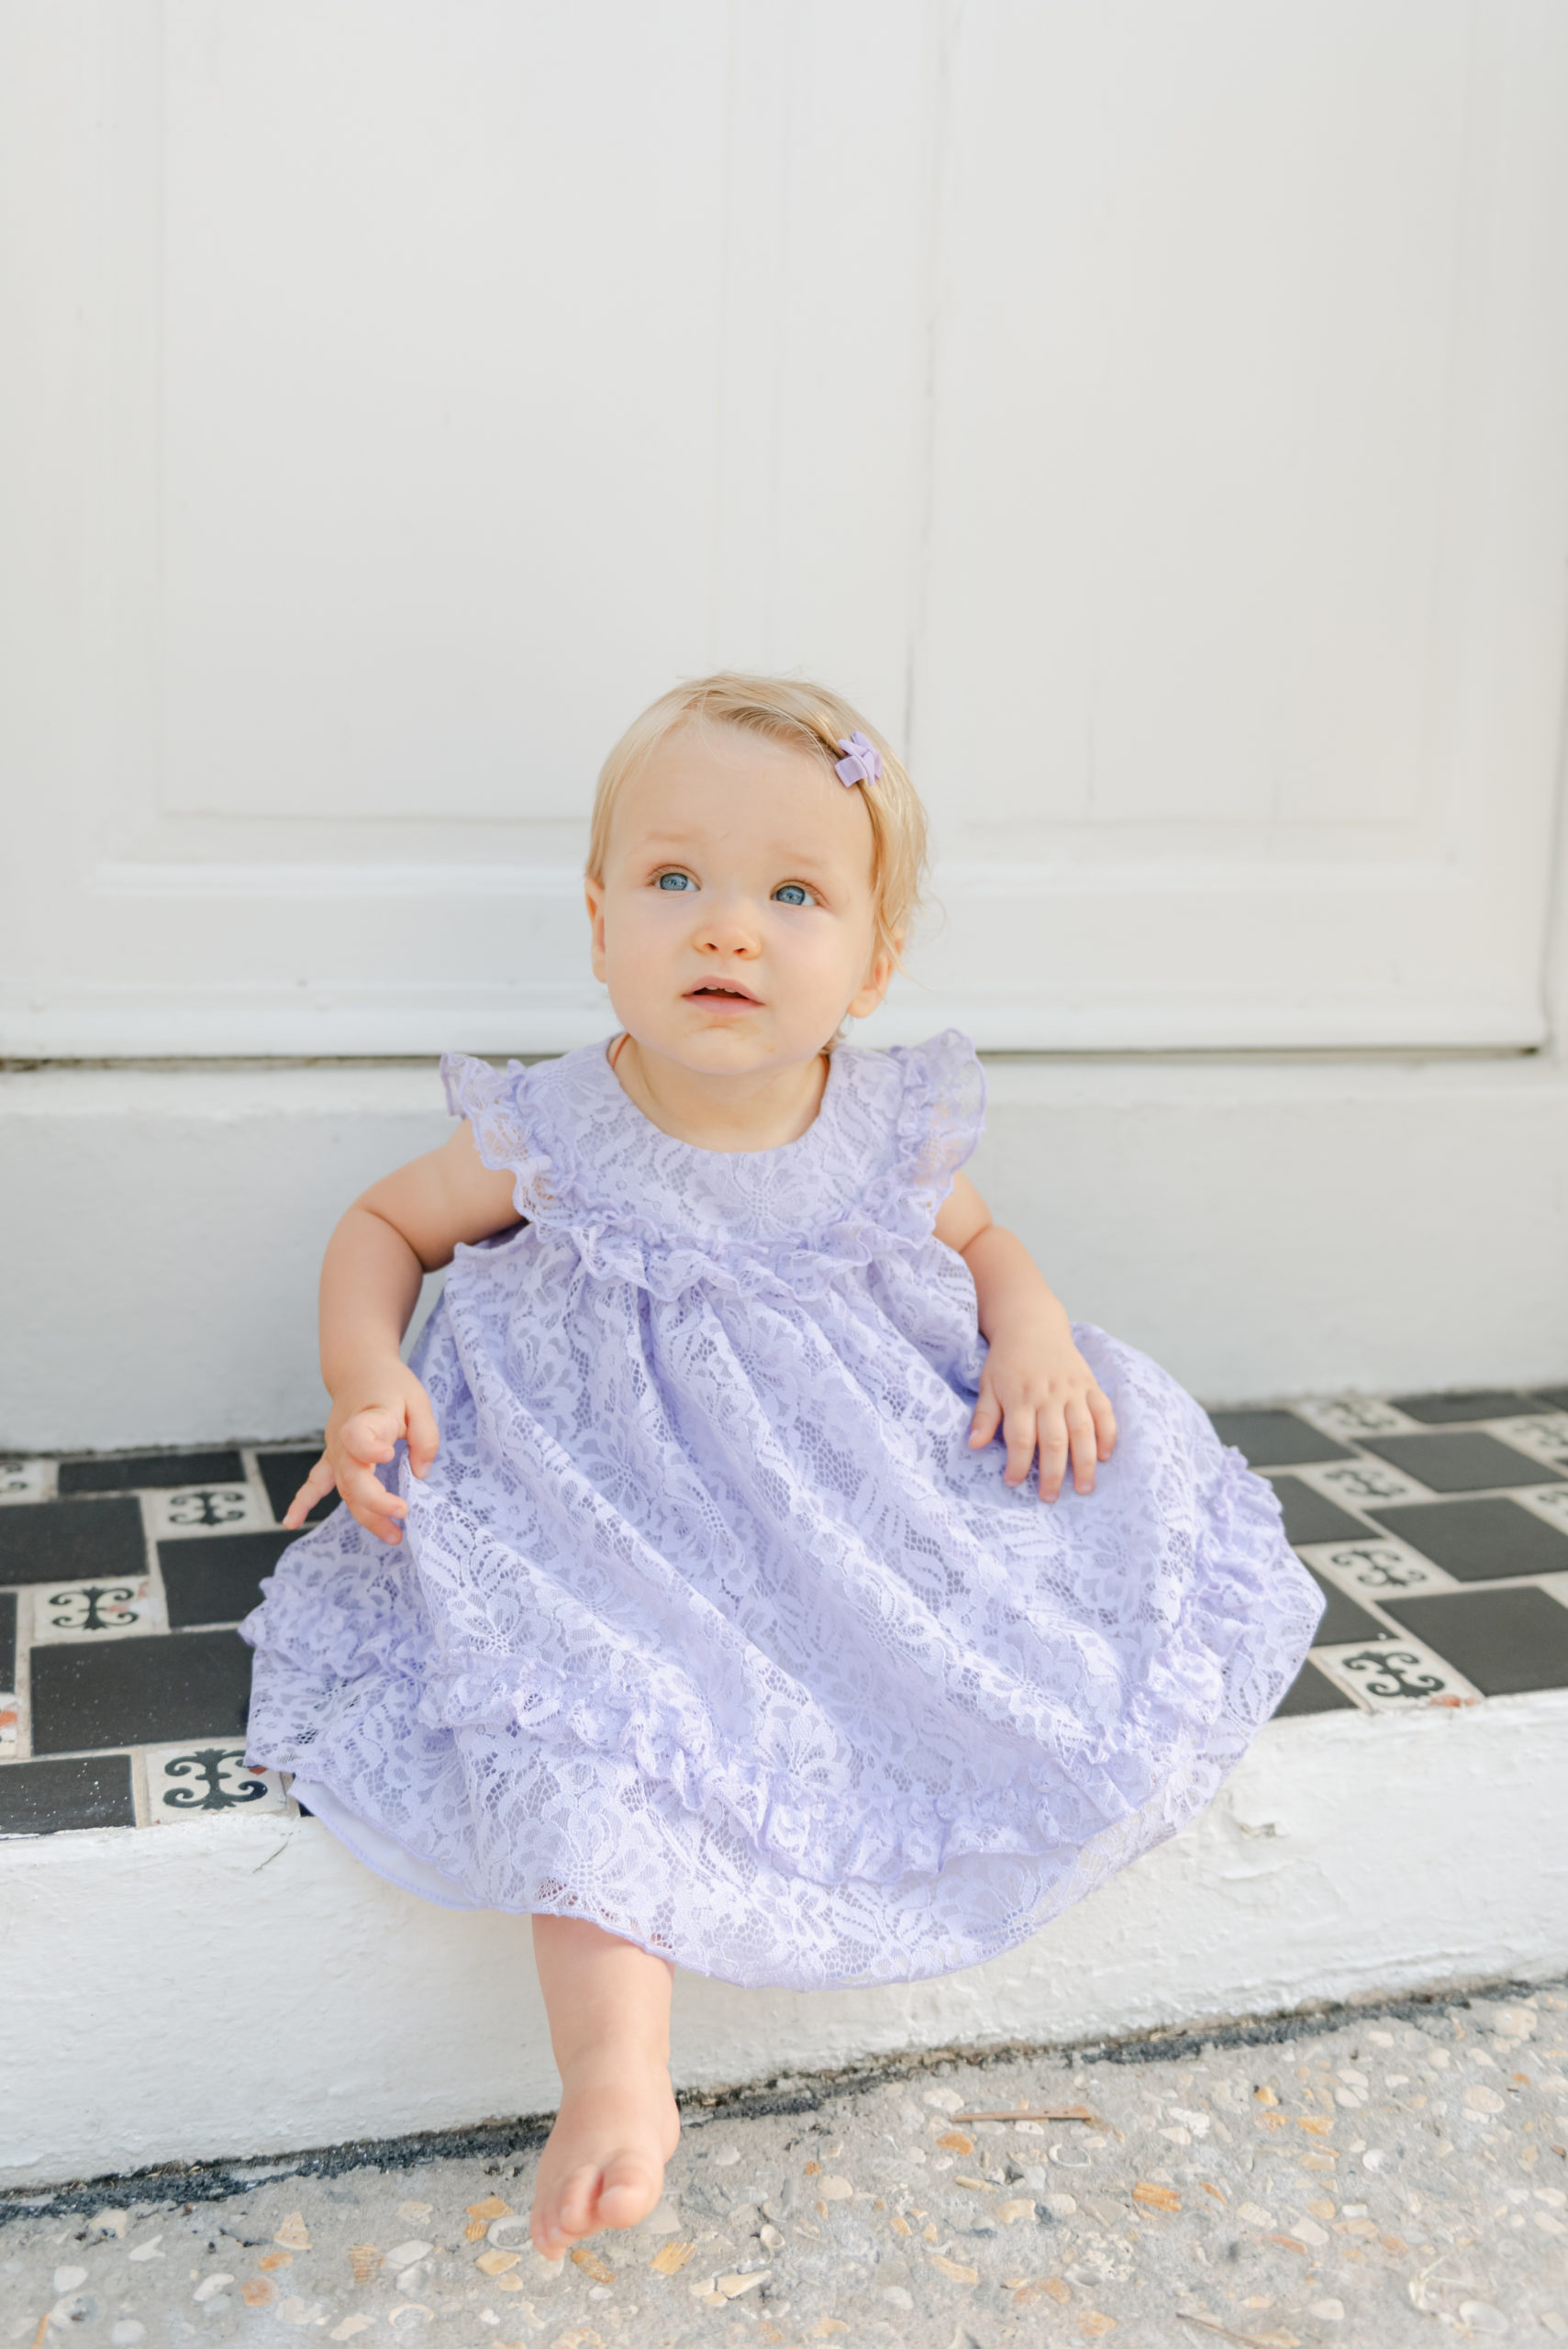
(729, 1044)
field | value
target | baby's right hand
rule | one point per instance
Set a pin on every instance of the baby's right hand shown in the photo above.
(366, 1424)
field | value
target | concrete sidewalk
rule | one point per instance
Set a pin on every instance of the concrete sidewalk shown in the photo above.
(1357, 2176)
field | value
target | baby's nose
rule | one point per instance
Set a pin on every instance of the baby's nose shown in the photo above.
(729, 927)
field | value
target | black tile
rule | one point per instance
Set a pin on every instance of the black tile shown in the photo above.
(1463, 1461)
(284, 1472)
(42, 1798)
(1313, 1692)
(1502, 1640)
(7, 1640)
(1554, 1398)
(140, 1691)
(215, 1577)
(124, 1472)
(70, 1541)
(1309, 1518)
(1343, 1619)
(1478, 1540)
(1275, 1439)
(1481, 1403)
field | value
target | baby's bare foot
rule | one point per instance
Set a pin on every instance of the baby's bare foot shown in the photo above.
(603, 2165)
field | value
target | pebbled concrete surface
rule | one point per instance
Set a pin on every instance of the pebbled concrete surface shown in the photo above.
(1381, 2177)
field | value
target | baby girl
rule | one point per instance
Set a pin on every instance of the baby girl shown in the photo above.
(754, 1569)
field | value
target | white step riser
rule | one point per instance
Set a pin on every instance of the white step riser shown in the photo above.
(241, 1987)
(1265, 1227)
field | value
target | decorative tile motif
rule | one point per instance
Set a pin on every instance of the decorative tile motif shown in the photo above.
(1544, 1438)
(1275, 1439)
(195, 1780)
(25, 1480)
(10, 1721)
(1392, 1673)
(1479, 1541)
(1465, 1459)
(119, 1472)
(1353, 1417)
(1356, 1482)
(71, 1540)
(196, 1509)
(110, 1610)
(1507, 1640)
(1372, 1568)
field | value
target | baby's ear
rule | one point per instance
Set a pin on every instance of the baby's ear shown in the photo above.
(594, 895)
(878, 979)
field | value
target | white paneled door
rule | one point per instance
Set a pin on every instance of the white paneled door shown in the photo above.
(1155, 415)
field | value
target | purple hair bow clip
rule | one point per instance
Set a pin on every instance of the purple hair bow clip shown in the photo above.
(863, 762)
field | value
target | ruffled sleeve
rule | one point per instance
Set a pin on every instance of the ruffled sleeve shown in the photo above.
(941, 1116)
(495, 1106)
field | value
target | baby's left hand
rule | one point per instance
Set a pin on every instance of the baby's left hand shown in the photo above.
(1043, 1394)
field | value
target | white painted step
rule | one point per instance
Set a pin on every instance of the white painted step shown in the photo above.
(240, 1985)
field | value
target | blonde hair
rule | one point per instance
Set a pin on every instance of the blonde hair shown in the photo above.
(805, 717)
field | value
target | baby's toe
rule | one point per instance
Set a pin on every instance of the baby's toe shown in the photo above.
(631, 2186)
(565, 2211)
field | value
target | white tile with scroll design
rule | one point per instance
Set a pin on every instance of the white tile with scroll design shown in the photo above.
(1377, 1568)
(204, 1776)
(1395, 1675)
(110, 1606)
(204, 1508)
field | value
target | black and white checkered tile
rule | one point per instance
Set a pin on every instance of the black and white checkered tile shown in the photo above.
(1436, 1524)
(124, 1683)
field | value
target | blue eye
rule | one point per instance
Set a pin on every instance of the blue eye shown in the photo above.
(674, 881)
(792, 894)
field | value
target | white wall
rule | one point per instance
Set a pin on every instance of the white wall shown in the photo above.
(256, 1949)
(1261, 1230)
(1154, 416)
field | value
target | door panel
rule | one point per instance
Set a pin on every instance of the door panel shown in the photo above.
(1153, 418)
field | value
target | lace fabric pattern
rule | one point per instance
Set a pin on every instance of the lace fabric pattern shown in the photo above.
(708, 1623)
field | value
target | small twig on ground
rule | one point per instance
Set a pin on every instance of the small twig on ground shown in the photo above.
(1040, 2112)
(1209, 2325)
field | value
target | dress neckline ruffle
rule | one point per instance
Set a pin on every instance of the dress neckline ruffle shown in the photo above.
(598, 1056)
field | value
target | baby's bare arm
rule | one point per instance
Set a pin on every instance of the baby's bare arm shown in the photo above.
(405, 1226)
(1036, 1385)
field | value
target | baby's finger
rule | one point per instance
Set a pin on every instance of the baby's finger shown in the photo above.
(316, 1486)
(386, 1528)
(1052, 1450)
(1081, 1442)
(1104, 1421)
(366, 1495)
(424, 1436)
(1019, 1431)
(987, 1417)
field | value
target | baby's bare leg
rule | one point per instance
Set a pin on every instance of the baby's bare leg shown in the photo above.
(608, 2003)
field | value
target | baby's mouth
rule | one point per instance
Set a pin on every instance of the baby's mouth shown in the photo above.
(720, 991)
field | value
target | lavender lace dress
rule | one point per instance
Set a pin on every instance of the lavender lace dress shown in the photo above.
(707, 1624)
